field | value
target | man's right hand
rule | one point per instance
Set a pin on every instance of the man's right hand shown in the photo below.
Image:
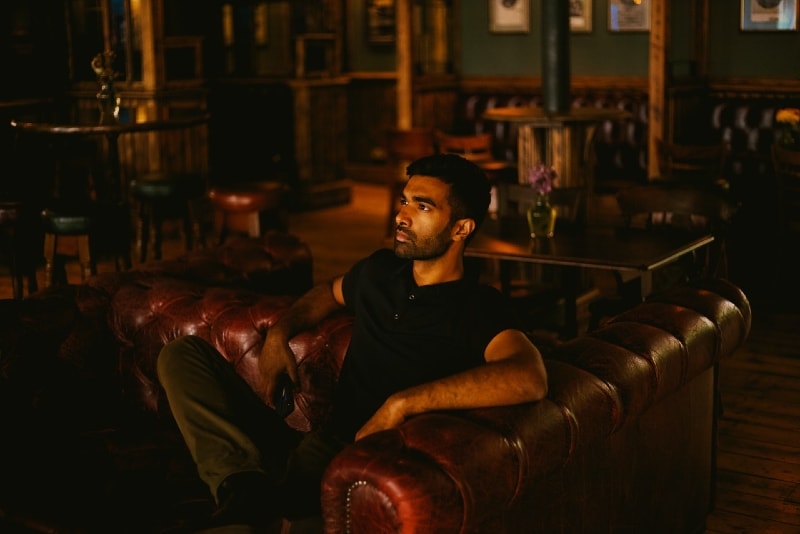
(276, 359)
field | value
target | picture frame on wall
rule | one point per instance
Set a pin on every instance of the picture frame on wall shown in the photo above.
(509, 16)
(629, 15)
(769, 15)
(381, 22)
(580, 16)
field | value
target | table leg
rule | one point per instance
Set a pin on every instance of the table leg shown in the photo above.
(570, 285)
(646, 281)
(504, 271)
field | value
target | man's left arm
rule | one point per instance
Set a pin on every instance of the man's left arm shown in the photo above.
(514, 373)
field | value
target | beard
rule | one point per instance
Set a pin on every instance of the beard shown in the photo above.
(427, 248)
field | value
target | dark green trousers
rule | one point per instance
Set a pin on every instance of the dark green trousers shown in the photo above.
(229, 429)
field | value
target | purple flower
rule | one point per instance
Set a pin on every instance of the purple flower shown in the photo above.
(541, 178)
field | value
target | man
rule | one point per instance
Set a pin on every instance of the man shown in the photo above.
(425, 337)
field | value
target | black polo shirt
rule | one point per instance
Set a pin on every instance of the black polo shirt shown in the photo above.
(405, 335)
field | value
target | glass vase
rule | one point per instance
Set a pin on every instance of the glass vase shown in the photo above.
(541, 218)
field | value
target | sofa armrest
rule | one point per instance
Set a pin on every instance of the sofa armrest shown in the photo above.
(506, 469)
(464, 471)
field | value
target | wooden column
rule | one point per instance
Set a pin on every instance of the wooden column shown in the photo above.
(404, 63)
(659, 40)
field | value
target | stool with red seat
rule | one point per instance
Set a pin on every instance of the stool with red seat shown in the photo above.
(249, 208)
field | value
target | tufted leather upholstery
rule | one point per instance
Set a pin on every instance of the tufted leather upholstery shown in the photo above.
(624, 438)
(613, 447)
(620, 147)
(748, 127)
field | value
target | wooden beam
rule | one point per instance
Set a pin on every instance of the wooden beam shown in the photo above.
(404, 63)
(659, 42)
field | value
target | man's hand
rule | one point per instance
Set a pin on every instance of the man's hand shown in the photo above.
(390, 415)
(276, 358)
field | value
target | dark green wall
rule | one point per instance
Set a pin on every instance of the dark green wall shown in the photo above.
(732, 52)
(735, 53)
(363, 56)
(597, 53)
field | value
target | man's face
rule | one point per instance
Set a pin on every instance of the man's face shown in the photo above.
(423, 222)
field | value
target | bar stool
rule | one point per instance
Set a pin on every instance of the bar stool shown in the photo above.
(74, 214)
(66, 233)
(16, 227)
(249, 208)
(164, 196)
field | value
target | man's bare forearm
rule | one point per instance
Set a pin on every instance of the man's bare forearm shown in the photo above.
(307, 311)
(276, 357)
(511, 381)
(518, 377)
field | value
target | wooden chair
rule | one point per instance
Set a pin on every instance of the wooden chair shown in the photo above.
(671, 208)
(402, 147)
(693, 165)
(477, 148)
(682, 209)
(786, 163)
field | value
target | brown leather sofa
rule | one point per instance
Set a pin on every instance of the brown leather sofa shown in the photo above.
(624, 441)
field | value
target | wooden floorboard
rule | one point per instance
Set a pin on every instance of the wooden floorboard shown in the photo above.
(758, 476)
(758, 462)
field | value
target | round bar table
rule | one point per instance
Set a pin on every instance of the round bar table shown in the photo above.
(112, 187)
(115, 185)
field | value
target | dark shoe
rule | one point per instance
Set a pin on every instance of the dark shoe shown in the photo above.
(247, 498)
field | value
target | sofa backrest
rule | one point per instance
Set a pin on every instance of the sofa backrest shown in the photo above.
(749, 129)
(145, 315)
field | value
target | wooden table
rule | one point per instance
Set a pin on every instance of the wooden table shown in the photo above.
(632, 253)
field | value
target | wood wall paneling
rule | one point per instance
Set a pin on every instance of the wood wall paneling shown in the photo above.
(371, 113)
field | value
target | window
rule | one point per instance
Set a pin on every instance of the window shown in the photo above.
(98, 25)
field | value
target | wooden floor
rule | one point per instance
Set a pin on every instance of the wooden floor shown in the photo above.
(758, 479)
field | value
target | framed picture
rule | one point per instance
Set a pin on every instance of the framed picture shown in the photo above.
(509, 16)
(629, 15)
(580, 15)
(380, 22)
(769, 15)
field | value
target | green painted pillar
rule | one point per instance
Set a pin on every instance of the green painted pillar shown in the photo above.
(555, 56)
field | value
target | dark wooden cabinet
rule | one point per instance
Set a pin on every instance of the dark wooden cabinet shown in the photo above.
(268, 71)
(279, 103)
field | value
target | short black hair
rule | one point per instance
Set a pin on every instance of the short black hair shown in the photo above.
(470, 191)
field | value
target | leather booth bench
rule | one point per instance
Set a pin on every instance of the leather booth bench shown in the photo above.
(749, 128)
(619, 146)
(746, 124)
(624, 441)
